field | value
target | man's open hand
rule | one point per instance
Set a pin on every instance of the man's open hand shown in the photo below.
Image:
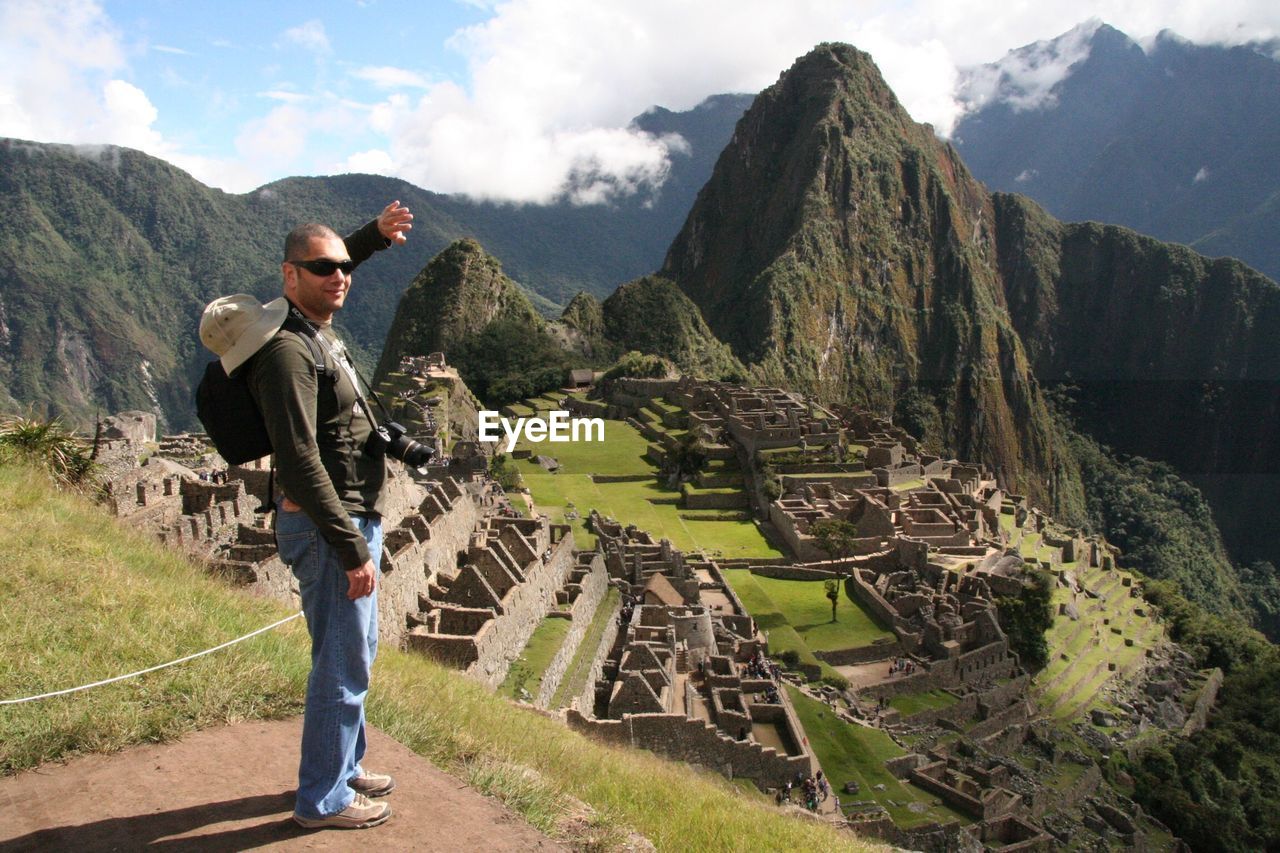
(395, 222)
(360, 580)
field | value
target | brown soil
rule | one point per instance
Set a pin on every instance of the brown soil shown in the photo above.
(232, 788)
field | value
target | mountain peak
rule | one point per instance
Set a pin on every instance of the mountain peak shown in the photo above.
(839, 247)
(457, 294)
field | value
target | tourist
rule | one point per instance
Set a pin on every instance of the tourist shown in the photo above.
(332, 494)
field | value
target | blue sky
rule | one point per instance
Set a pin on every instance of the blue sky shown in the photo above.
(210, 67)
(499, 100)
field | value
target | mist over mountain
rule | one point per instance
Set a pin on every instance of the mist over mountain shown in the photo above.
(1178, 140)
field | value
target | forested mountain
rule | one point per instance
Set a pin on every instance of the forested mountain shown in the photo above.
(108, 255)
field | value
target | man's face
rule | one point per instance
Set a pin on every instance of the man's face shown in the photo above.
(317, 296)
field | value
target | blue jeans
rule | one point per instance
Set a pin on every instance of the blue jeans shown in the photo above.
(344, 641)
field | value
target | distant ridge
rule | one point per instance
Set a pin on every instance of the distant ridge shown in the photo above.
(1178, 140)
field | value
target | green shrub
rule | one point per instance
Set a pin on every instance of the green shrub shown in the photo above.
(641, 366)
(47, 444)
(837, 681)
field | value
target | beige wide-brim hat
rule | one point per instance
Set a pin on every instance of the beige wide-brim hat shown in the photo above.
(235, 327)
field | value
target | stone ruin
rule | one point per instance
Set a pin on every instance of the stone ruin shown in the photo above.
(681, 677)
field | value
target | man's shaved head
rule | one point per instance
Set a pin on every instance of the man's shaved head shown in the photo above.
(299, 239)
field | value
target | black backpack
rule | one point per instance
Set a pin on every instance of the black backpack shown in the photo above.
(228, 411)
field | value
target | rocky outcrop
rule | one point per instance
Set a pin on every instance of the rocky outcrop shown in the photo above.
(460, 292)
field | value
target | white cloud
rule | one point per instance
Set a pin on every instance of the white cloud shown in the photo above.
(1024, 78)
(310, 36)
(277, 139)
(57, 56)
(289, 97)
(553, 83)
(372, 162)
(1201, 175)
(62, 81)
(164, 48)
(388, 77)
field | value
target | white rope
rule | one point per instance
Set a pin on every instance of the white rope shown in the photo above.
(154, 668)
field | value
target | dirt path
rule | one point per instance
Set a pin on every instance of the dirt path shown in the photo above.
(232, 788)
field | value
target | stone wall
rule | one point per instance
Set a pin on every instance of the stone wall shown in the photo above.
(587, 698)
(524, 607)
(988, 662)
(1199, 715)
(793, 573)
(1049, 800)
(426, 548)
(879, 650)
(923, 777)
(678, 737)
(594, 586)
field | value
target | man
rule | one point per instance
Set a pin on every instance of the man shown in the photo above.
(328, 523)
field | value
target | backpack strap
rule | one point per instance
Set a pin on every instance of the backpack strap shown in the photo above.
(308, 333)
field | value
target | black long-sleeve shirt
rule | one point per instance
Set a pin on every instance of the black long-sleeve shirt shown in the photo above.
(318, 429)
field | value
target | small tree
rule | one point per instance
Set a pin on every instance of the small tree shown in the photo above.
(686, 459)
(505, 472)
(836, 536)
(832, 588)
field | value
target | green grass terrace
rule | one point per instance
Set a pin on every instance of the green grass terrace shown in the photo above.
(849, 752)
(797, 616)
(641, 501)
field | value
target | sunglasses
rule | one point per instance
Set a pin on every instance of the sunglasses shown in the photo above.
(324, 267)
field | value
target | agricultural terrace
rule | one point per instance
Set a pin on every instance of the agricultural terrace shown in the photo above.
(1109, 637)
(527, 670)
(577, 488)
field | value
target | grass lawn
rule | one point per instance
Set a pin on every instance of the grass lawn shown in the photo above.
(849, 752)
(805, 607)
(622, 453)
(526, 671)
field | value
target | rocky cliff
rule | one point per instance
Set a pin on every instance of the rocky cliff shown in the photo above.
(1170, 355)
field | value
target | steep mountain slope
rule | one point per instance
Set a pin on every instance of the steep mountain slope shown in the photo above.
(1171, 355)
(1177, 141)
(652, 315)
(842, 248)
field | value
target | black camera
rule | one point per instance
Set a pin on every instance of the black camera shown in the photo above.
(390, 440)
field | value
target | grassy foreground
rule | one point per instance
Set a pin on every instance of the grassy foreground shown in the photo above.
(87, 599)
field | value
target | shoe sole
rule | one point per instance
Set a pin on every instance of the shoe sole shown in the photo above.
(332, 822)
